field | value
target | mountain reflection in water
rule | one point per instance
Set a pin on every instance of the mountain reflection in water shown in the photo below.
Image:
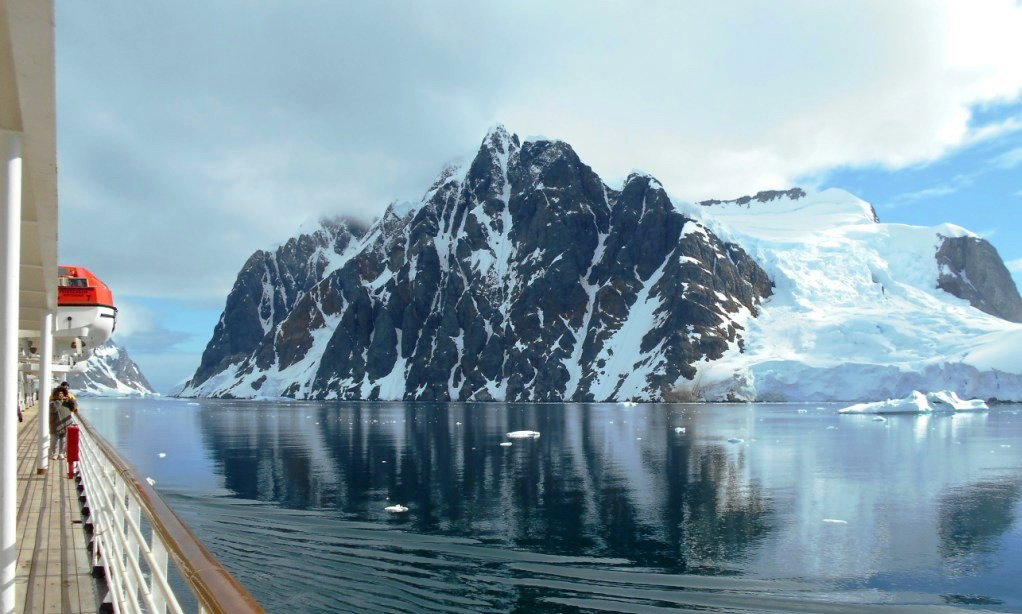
(610, 509)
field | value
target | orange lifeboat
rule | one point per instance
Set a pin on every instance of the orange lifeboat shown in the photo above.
(86, 315)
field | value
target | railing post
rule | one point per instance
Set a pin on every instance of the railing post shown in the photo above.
(10, 284)
(133, 516)
(159, 551)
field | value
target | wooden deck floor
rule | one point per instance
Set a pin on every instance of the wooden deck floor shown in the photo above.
(54, 571)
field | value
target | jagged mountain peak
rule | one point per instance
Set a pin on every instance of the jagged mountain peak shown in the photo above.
(516, 277)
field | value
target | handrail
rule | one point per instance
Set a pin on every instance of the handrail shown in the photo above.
(215, 589)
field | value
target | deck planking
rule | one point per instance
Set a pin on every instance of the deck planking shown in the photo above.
(54, 571)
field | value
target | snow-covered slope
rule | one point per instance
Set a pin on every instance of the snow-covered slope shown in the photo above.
(109, 372)
(857, 313)
(522, 276)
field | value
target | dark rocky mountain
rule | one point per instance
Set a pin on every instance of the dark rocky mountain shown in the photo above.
(971, 269)
(519, 276)
(109, 372)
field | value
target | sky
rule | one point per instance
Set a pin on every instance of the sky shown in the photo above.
(191, 134)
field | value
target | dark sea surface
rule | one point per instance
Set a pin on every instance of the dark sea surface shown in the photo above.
(768, 507)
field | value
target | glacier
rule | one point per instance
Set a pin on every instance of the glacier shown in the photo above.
(857, 314)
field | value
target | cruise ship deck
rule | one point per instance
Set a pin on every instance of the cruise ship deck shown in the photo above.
(54, 572)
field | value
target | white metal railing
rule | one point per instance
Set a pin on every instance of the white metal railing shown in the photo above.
(136, 565)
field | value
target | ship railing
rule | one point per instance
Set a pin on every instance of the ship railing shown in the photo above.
(134, 555)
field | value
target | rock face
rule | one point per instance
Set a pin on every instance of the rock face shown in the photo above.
(519, 276)
(109, 372)
(971, 269)
(267, 288)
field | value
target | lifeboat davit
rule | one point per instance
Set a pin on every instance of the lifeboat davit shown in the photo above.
(86, 316)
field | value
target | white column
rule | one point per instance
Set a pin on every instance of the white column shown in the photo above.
(10, 269)
(45, 383)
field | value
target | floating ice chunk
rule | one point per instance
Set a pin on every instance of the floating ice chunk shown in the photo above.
(679, 429)
(523, 435)
(917, 403)
(151, 481)
(832, 428)
(879, 419)
(457, 424)
(396, 509)
(505, 444)
(628, 404)
(803, 411)
(835, 521)
(162, 455)
(736, 440)
(193, 403)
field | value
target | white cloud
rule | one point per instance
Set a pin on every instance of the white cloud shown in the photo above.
(1015, 266)
(193, 135)
(1009, 159)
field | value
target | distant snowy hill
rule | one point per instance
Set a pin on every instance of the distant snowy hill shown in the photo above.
(865, 310)
(109, 372)
(522, 276)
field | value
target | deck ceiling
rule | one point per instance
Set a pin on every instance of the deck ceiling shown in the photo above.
(28, 106)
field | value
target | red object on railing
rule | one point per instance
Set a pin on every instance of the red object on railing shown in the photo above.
(72, 450)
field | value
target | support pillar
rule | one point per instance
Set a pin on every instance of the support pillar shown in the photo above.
(10, 283)
(45, 383)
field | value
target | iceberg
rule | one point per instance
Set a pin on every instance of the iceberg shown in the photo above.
(919, 403)
(523, 435)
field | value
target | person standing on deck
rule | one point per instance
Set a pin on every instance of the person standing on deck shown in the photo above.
(60, 419)
(69, 398)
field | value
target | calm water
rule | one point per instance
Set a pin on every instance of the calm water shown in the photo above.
(610, 509)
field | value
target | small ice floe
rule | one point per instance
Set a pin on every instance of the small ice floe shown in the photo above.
(523, 435)
(832, 428)
(628, 403)
(835, 521)
(736, 440)
(919, 403)
(1005, 445)
(638, 439)
(505, 444)
(396, 509)
(879, 419)
(457, 424)
(162, 455)
(193, 403)
(151, 481)
(803, 411)
(679, 429)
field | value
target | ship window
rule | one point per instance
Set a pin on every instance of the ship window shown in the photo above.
(78, 283)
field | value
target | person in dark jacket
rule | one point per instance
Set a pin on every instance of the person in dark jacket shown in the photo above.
(60, 419)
